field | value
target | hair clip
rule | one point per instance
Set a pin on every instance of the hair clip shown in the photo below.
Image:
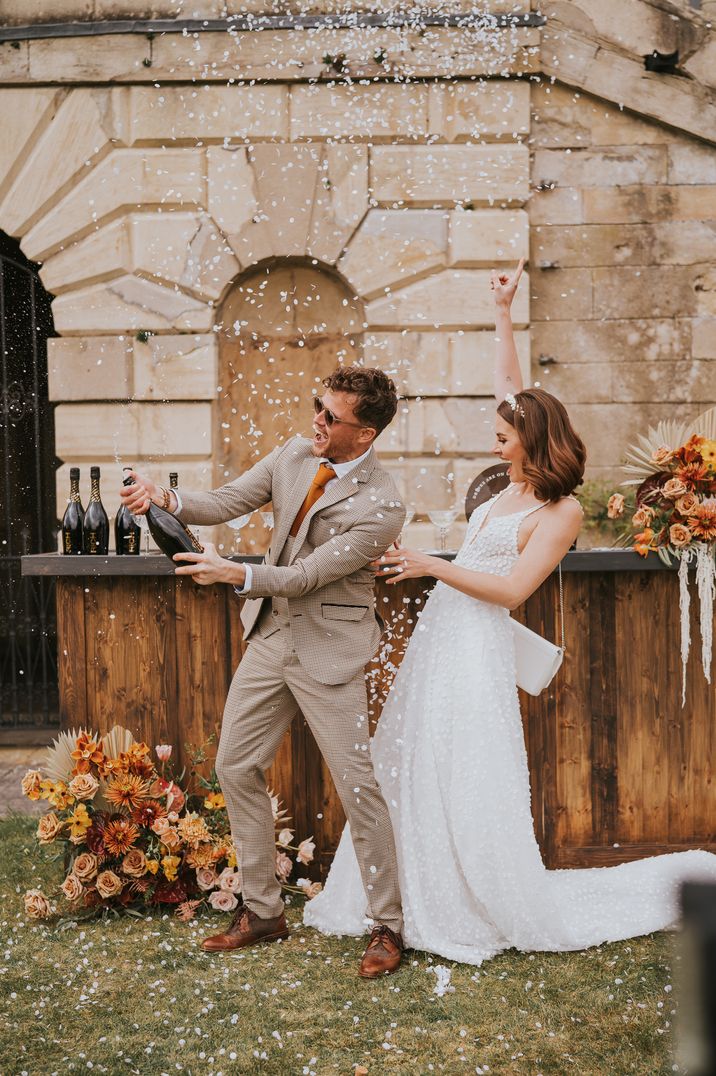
(514, 404)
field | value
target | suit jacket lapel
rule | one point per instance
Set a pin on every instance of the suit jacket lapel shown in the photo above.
(343, 488)
(289, 511)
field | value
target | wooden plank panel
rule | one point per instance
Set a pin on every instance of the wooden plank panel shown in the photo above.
(71, 655)
(130, 658)
(202, 661)
(570, 694)
(636, 705)
(659, 604)
(539, 717)
(598, 855)
(601, 703)
(693, 803)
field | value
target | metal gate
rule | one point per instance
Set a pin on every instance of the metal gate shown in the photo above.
(28, 524)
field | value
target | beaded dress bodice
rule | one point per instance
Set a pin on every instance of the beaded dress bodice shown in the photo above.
(490, 543)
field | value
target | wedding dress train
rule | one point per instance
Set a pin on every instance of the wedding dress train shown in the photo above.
(450, 757)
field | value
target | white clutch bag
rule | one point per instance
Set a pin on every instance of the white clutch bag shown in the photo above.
(537, 659)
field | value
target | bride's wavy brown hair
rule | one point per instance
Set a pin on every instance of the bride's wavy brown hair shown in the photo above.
(554, 452)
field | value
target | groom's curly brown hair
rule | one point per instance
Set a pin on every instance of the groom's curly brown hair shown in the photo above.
(376, 392)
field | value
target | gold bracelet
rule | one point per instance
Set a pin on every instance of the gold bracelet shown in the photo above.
(165, 496)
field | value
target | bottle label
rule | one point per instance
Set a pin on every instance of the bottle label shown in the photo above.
(92, 542)
(68, 543)
(131, 540)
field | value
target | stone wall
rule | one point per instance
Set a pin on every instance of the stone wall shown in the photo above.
(622, 261)
(149, 173)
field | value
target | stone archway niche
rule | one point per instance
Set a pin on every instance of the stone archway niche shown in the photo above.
(282, 327)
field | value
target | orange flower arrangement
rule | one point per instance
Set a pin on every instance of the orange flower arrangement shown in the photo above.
(135, 837)
(676, 503)
(675, 513)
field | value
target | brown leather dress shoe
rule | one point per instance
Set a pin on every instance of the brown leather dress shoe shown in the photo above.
(383, 954)
(246, 928)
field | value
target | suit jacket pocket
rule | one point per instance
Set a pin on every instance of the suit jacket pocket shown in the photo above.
(332, 611)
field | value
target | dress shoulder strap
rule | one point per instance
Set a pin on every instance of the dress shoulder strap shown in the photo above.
(534, 508)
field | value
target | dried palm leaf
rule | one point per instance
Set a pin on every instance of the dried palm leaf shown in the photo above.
(639, 463)
(704, 424)
(116, 741)
(59, 763)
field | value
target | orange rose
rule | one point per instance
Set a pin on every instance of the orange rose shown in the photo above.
(673, 489)
(662, 455)
(679, 535)
(72, 888)
(615, 506)
(37, 906)
(30, 784)
(48, 827)
(84, 786)
(85, 866)
(643, 516)
(135, 863)
(686, 504)
(313, 890)
(108, 884)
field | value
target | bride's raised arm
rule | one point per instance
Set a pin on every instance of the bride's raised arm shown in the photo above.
(508, 376)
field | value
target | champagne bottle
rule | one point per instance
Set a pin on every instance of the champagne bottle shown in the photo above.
(173, 480)
(127, 532)
(73, 517)
(169, 533)
(96, 525)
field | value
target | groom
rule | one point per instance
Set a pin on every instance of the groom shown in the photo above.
(311, 623)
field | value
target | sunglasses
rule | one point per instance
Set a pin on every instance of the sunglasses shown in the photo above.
(331, 419)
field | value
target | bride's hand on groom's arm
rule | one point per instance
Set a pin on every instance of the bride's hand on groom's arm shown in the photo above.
(399, 563)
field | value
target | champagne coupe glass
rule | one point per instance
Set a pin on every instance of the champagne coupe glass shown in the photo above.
(409, 517)
(236, 525)
(443, 519)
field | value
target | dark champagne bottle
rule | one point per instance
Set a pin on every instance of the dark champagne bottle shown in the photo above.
(173, 480)
(169, 533)
(74, 516)
(96, 525)
(127, 532)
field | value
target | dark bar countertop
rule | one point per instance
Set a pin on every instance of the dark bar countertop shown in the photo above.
(58, 564)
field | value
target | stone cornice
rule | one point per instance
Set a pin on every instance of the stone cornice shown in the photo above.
(596, 48)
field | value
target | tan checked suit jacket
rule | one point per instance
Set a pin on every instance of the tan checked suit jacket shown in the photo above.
(327, 582)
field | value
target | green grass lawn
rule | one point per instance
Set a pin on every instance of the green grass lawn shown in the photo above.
(138, 996)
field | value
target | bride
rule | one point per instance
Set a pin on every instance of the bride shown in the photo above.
(449, 750)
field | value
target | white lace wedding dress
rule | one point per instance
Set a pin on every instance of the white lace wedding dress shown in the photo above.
(450, 757)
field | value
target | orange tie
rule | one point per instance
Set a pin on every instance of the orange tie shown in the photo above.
(324, 474)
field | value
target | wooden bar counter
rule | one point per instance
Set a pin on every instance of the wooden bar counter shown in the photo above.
(619, 769)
